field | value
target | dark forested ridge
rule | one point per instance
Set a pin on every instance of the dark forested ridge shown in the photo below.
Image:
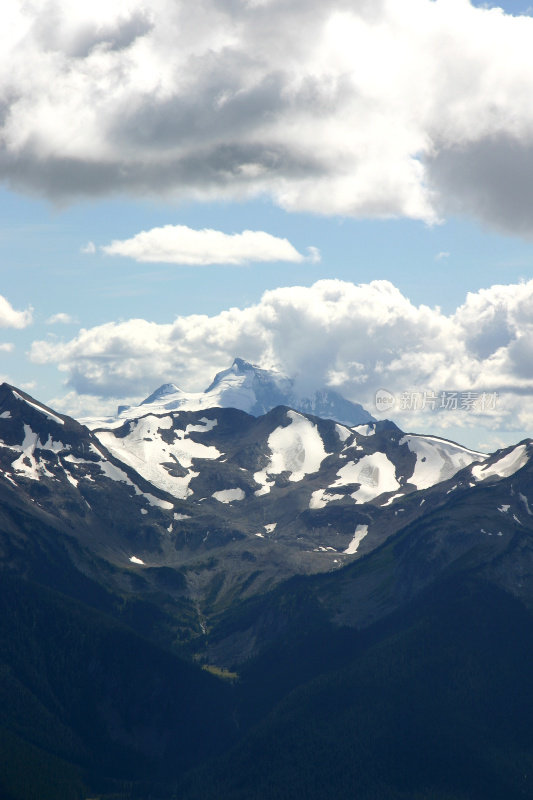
(434, 701)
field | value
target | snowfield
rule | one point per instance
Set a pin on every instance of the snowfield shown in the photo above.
(504, 467)
(374, 472)
(146, 450)
(437, 460)
(297, 449)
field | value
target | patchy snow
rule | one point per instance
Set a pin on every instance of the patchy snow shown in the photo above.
(374, 472)
(360, 533)
(364, 430)
(393, 498)
(27, 464)
(271, 527)
(524, 499)
(228, 495)
(342, 432)
(177, 517)
(504, 508)
(156, 501)
(504, 467)
(207, 425)
(321, 497)
(114, 473)
(144, 511)
(261, 535)
(75, 460)
(144, 449)
(297, 449)
(436, 459)
(71, 479)
(54, 447)
(5, 415)
(135, 560)
(40, 409)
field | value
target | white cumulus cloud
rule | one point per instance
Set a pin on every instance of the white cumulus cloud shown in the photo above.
(61, 318)
(367, 108)
(179, 244)
(10, 318)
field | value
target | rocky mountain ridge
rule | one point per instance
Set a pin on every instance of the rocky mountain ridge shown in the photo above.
(271, 496)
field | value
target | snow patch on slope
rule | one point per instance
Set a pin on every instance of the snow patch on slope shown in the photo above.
(144, 449)
(297, 449)
(228, 495)
(374, 472)
(437, 460)
(28, 463)
(391, 500)
(525, 501)
(360, 533)
(504, 467)
(364, 430)
(204, 426)
(321, 497)
(342, 432)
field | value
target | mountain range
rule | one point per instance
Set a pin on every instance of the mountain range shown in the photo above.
(231, 601)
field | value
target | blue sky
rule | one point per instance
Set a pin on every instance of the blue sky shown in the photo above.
(409, 166)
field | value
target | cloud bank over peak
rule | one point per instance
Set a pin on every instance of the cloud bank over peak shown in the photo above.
(354, 338)
(364, 109)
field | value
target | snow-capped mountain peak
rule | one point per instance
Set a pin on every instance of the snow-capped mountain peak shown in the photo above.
(250, 388)
(246, 387)
(163, 394)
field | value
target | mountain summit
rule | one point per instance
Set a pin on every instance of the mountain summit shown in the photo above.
(249, 388)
